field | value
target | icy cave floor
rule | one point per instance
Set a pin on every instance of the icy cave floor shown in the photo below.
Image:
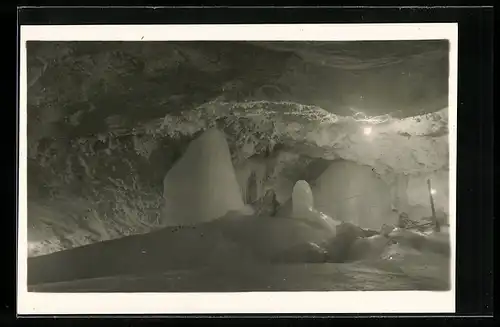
(412, 275)
(186, 262)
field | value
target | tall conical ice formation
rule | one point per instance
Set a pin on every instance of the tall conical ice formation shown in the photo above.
(302, 200)
(202, 185)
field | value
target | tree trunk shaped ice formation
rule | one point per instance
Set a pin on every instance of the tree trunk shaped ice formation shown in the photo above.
(202, 185)
(354, 193)
(250, 176)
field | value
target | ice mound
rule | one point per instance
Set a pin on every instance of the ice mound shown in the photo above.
(275, 238)
(202, 185)
(354, 193)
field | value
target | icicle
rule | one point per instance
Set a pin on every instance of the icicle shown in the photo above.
(261, 173)
(242, 175)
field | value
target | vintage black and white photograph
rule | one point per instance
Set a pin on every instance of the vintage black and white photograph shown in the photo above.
(234, 166)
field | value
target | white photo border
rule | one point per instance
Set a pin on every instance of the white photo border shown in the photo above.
(30, 303)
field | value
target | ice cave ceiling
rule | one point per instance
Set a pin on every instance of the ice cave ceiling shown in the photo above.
(316, 98)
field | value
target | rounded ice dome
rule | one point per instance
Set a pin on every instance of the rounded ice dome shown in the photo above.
(302, 199)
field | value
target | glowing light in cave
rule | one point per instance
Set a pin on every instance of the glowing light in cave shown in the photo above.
(367, 130)
(433, 191)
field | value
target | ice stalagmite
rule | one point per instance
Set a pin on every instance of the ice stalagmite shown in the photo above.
(202, 185)
(303, 207)
(302, 200)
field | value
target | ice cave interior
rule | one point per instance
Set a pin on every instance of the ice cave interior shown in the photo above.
(128, 138)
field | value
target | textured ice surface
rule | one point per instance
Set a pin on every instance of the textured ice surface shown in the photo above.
(202, 185)
(312, 131)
